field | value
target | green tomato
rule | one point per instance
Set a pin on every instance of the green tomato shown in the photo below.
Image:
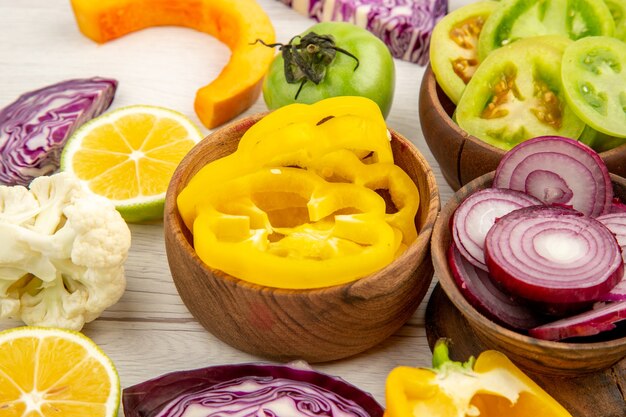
(618, 11)
(453, 54)
(517, 94)
(594, 77)
(600, 142)
(517, 19)
(374, 77)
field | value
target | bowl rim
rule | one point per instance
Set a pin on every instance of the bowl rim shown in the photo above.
(474, 317)
(431, 90)
(173, 224)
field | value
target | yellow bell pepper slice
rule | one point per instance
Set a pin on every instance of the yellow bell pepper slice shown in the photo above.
(490, 386)
(292, 136)
(311, 198)
(246, 229)
(345, 166)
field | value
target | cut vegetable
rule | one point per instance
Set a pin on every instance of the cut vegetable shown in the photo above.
(616, 223)
(594, 76)
(618, 11)
(481, 292)
(248, 389)
(35, 127)
(404, 25)
(517, 19)
(553, 255)
(487, 386)
(453, 52)
(516, 94)
(617, 207)
(237, 23)
(585, 324)
(477, 213)
(558, 170)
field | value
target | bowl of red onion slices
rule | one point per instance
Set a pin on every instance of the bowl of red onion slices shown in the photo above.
(532, 255)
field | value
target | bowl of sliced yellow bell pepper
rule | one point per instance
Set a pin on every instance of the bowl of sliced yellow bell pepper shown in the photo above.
(304, 232)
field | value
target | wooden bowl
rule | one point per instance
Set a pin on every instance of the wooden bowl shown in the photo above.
(315, 325)
(463, 157)
(541, 356)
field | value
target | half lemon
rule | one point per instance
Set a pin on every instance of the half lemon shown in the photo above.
(46, 372)
(129, 156)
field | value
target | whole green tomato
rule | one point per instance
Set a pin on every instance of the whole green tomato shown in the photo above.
(357, 64)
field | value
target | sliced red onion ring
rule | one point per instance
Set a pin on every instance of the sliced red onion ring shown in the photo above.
(585, 324)
(480, 291)
(616, 223)
(553, 255)
(559, 170)
(476, 214)
(617, 206)
(617, 293)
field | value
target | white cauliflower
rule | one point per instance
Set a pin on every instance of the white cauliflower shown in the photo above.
(62, 252)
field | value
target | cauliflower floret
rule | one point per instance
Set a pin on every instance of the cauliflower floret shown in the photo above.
(63, 266)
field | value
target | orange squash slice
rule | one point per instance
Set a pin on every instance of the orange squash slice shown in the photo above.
(237, 23)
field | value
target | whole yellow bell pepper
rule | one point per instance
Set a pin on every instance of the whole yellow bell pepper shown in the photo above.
(490, 386)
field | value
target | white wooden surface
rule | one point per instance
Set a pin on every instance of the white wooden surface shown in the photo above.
(150, 332)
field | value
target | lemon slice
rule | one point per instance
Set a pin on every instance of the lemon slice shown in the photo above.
(46, 372)
(129, 155)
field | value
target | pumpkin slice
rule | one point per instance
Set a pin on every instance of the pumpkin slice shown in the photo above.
(236, 23)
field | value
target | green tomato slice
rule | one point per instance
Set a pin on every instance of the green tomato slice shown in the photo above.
(517, 19)
(517, 94)
(618, 11)
(453, 46)
(598, 141)
(594, 77)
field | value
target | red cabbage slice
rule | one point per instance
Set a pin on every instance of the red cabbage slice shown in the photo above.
(558, 170)
(585, 324)
(248, 389)
(616, 223)
(481, 292)
(404, 26)
(476, 214)
(35, 127)
(553, 255)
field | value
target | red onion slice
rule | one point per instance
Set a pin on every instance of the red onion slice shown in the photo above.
(616, 223)
(617, 293)
(553, 255)
(585, 324)
(480, 291)
(559, 170)
(617, 206)
(476, 214)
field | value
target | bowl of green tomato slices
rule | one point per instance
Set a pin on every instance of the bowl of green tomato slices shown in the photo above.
(502, 72)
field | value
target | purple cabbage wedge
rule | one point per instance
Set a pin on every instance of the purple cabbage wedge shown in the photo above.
(309, 8)
(403, 25)
(35, 127)
(248, 389)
